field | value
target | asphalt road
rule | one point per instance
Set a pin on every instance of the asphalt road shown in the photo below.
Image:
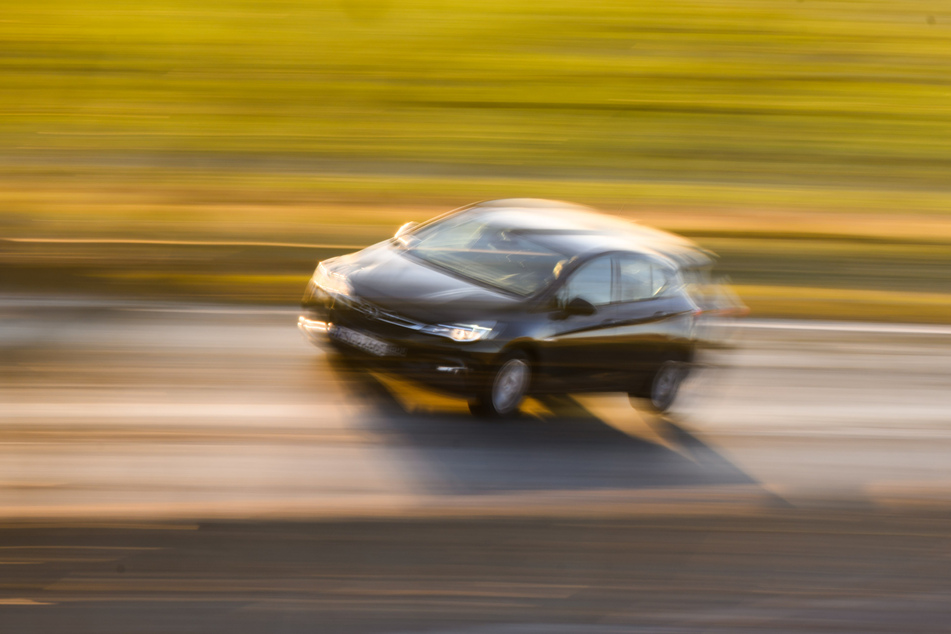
(203, 469)
(170, 411)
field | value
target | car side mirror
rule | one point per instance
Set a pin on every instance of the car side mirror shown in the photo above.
(406, 228)
(580, 306)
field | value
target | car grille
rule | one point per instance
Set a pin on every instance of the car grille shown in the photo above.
(373, 313)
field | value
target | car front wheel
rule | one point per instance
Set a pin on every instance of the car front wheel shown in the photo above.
(506, 388)
(664, 386)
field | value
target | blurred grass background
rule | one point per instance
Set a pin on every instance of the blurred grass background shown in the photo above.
(808, 142)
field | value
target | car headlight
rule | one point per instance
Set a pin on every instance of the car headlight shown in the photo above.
(331, 281)
(461, 332)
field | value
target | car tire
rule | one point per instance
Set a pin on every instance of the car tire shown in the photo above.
(505, 389)
(665, 385)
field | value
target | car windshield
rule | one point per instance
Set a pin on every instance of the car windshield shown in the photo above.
(496, 256)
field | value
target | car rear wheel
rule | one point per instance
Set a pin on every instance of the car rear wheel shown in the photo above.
(506, 388)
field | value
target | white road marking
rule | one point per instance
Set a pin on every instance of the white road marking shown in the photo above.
(846, 326)
(231, 411)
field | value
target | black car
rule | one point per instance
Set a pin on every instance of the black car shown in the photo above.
(506, 298)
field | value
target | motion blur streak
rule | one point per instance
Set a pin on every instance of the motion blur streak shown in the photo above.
(802, 141)
(174, 458)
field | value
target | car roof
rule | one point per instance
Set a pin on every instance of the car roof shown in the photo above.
(584, 231)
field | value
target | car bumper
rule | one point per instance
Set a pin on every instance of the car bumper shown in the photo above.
(459, 369)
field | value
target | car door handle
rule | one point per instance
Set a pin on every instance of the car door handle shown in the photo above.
(609, 322)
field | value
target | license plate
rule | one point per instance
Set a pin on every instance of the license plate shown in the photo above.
(365, 342)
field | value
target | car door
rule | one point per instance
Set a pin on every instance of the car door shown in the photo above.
(575, 348)
(653, 317)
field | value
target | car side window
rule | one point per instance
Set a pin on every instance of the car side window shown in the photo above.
(591, 282)
(640, 278)
(662, 280)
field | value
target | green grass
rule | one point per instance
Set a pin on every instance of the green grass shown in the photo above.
(334, 121)
(835, 93)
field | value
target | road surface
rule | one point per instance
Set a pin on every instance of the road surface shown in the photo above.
(188, 411)
(173, 468)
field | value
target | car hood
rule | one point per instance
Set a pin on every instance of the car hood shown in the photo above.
(397, 282)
